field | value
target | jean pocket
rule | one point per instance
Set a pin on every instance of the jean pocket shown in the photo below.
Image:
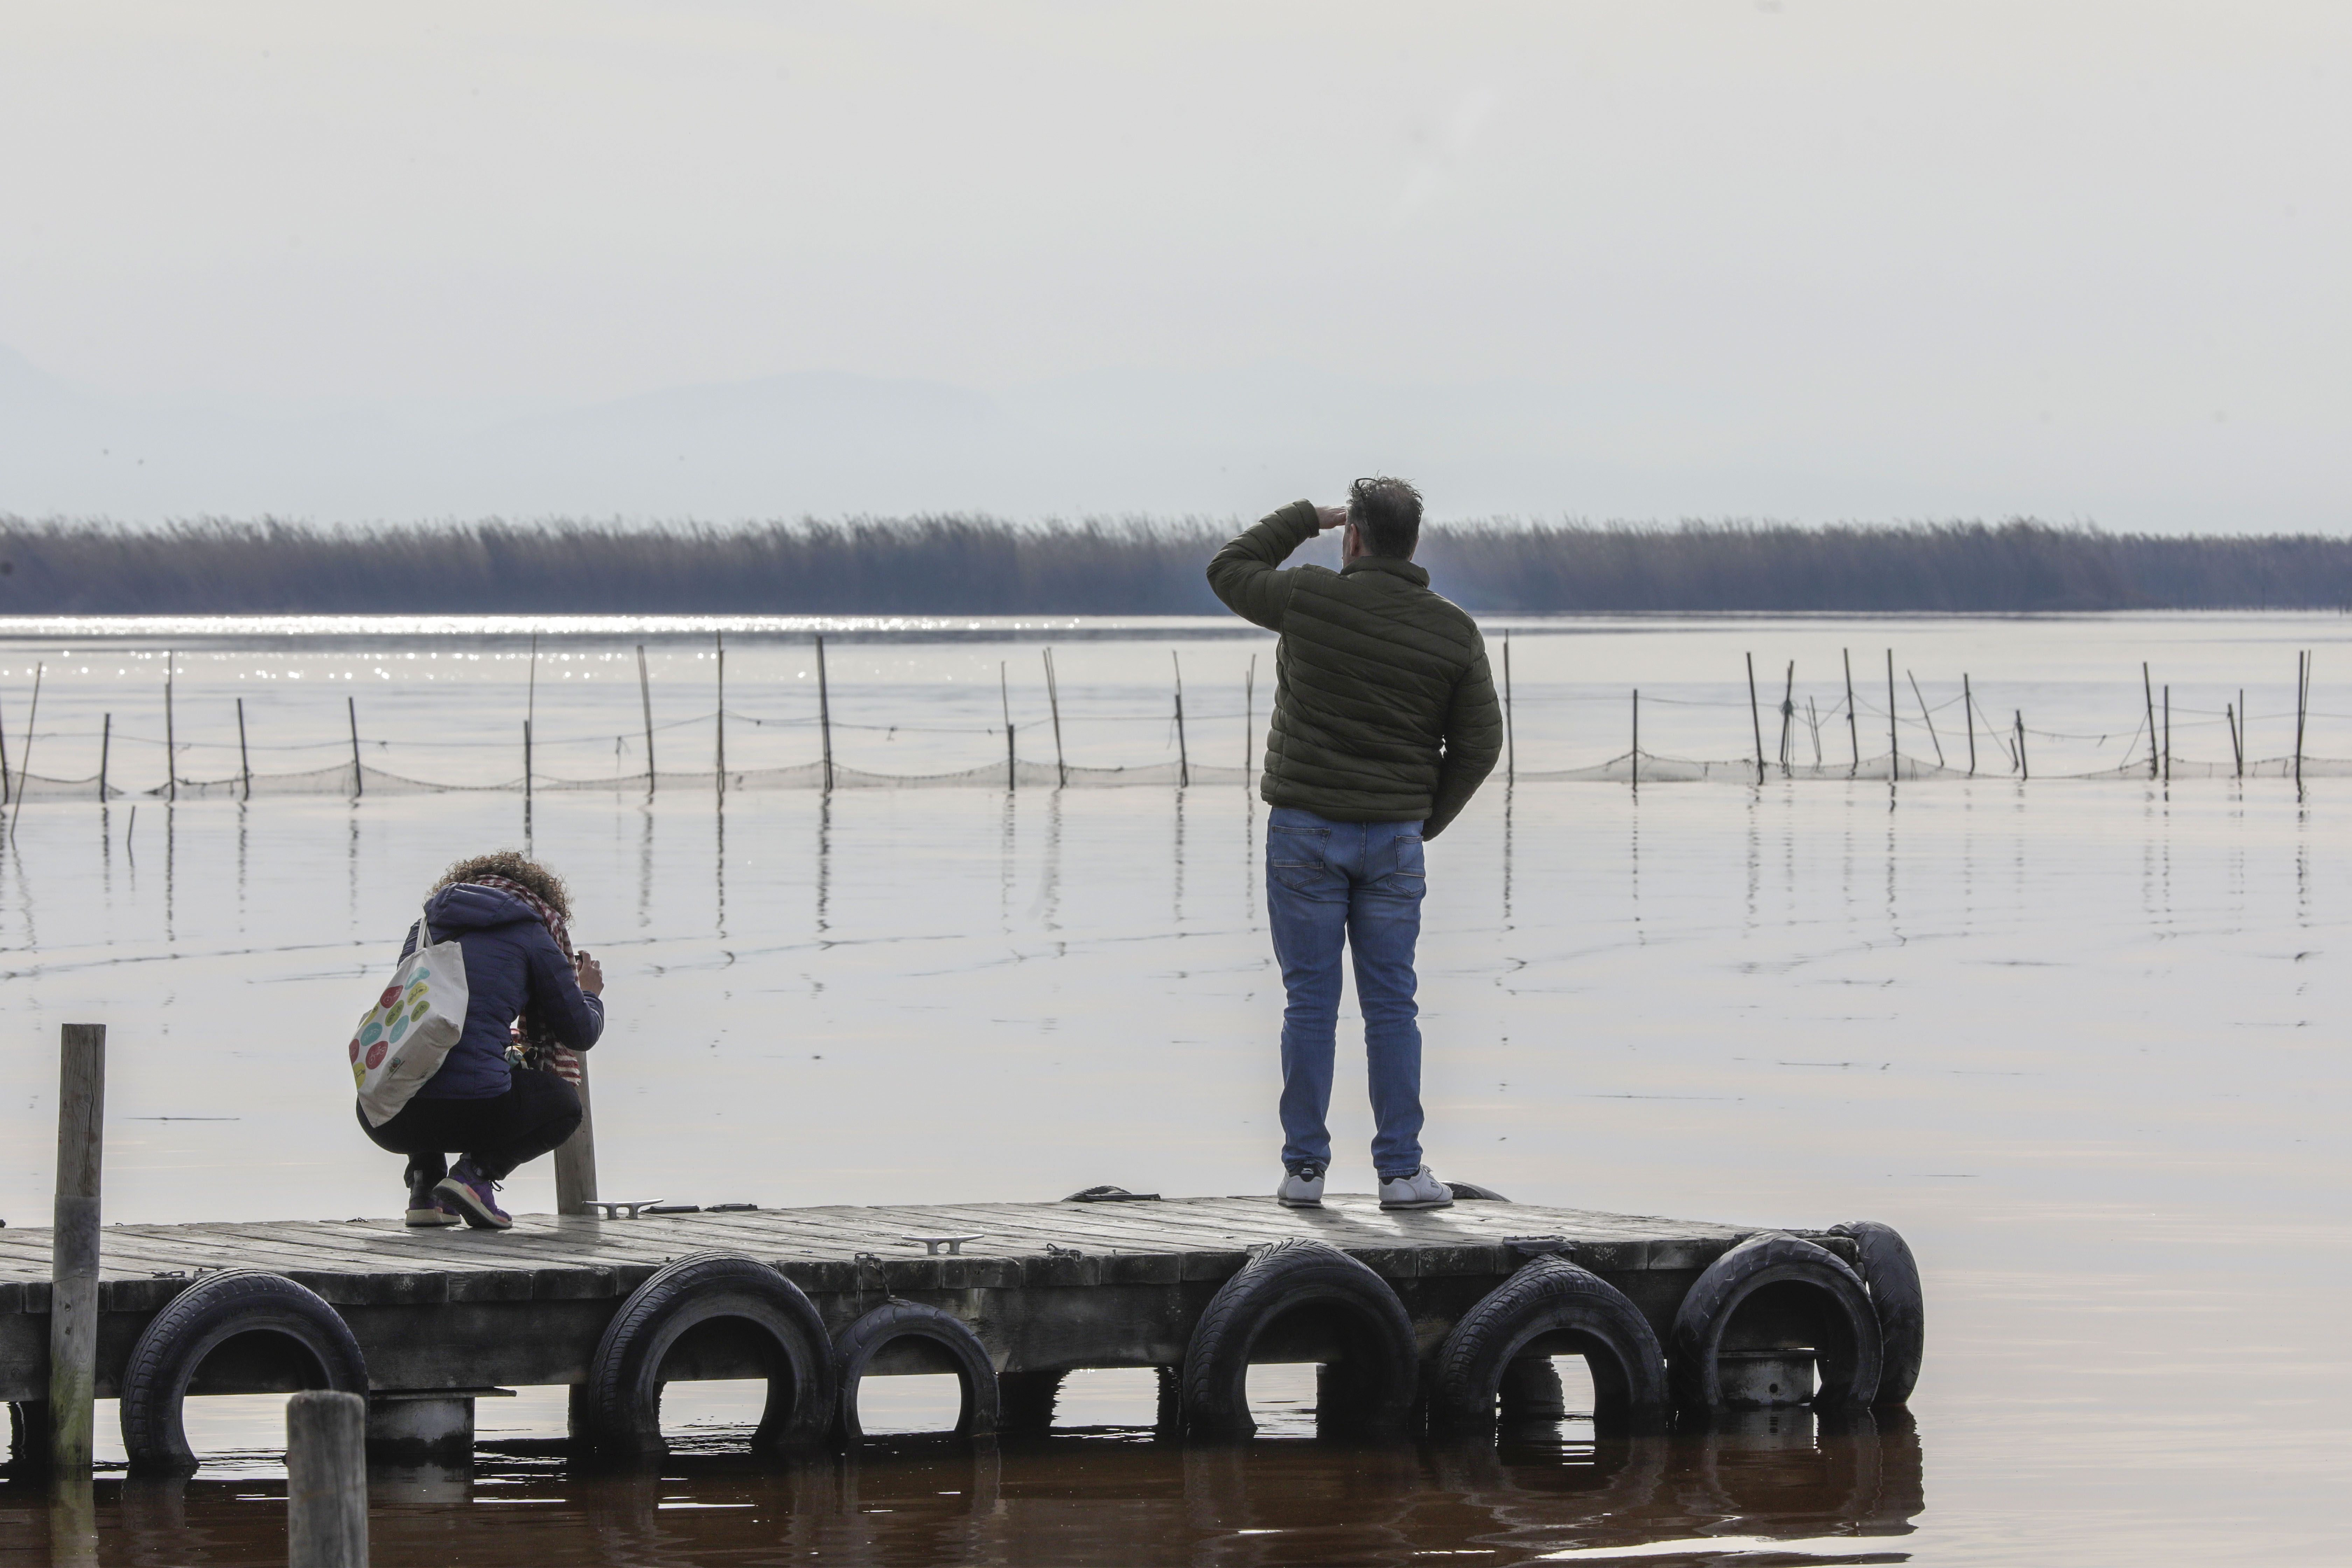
(1298, 846)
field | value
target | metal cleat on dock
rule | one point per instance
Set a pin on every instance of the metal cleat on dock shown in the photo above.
(619, 1208)
(953, 1245)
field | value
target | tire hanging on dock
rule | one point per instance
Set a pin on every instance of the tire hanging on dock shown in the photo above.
(944, 1331)
(1378, 1364)
(1550, 1307)
(625, 1382)
(198, 1321)
(1892, 1276)
(1847, 1348)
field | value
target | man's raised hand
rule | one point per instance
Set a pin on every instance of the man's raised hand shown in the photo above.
(1330, 517)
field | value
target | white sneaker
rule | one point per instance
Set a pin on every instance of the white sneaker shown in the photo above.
(1301, 1188)
(1421, 1190)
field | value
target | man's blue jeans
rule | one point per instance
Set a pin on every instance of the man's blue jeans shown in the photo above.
(1358, 884)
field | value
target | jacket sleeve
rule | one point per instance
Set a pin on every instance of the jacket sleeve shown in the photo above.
(1244, 572)
(576, 1017)
(1474, 740)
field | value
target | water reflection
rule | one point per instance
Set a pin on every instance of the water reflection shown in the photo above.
(1126, 1498)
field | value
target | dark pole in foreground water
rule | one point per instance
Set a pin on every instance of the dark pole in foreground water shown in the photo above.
(326, 1480)
(646, 694)
(1004, 697)
(1054, 700)
(1183, 761)
(1969, 708)
(358, 782)
(1893, 748)
(1755, 719)
(244, 758)
(2023, 772)
(2302, 703)
(1930, 718)
(74, 1247)
(105, 746)
(1510, 736)
(824, 712)
(171, 743)
(2149, 691)
(2238, 732)
(1634, 758)
(2167, 731)
(718, 641)
(24, 774)
(1853, 723)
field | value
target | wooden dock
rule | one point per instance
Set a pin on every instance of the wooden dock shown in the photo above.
(1042, 1289)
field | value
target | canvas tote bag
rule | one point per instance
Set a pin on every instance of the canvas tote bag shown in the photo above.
(406, 1037)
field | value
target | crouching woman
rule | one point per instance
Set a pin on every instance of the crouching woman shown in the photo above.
(507, 1092)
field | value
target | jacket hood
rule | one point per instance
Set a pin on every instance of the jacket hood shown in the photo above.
(471, 907)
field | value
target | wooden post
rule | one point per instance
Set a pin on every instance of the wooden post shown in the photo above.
(326, 1480)
(171, 745)
(1930, 718)
(2238, 732)
(1053, 698)
(575, 1157)
(530, 712)
(73, 1247)
(244, 757)
(720, 641)
(105, 746)
(2149, 691)
(1004, 701)
(25, 773)
(1755, 719)
(1510, 736)
(359, 779)
(824, 712)
(1788, 715)
(2302, 703)
(1249, 720)
(2167, 731)
(1852, 724)
(646, 694)
(1634, 758)
(1893, 746)
(2024, 770)
(1969, 709)
(1183, 759)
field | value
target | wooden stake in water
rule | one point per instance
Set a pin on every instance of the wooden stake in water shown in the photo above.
(2148, 690)
(171, 745)
(719, 644)
(1004, 700)
(646, 694)
(1249, 719)
(1183, 760)
(74, 1247)
(244, 757)
(1755, 719)
(105, 745)
(2238, 732)
(1930, 718)
(358, 780)
(1054, 700)
(2301, 704)
(2168, 733)
(1853, 723)
(1893, 748)
(24, 771)
(1788, 715)
(530, 712)
(1969, 708)
(1510, 740)
(1634, 758)
(326, 1480)
(2023, 771)
(824, 712)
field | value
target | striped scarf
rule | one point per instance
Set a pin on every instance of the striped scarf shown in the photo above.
(535, 1045)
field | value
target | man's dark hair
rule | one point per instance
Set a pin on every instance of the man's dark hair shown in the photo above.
(1387, 515)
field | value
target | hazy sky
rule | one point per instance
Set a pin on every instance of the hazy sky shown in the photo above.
(1796, 259)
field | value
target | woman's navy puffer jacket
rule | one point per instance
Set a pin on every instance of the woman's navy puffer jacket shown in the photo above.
(511, 965)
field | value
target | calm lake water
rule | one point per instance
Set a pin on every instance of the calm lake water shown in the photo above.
(2081, 1040)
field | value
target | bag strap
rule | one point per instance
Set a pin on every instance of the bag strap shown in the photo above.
(425, 928)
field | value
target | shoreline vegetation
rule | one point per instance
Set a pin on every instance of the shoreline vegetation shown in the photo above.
(950, 565)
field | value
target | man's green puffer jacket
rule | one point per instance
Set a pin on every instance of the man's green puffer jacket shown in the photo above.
(1383, 708)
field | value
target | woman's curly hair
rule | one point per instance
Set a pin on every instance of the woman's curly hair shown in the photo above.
(515, 866)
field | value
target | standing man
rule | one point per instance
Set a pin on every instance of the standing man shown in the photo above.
(1384, 724)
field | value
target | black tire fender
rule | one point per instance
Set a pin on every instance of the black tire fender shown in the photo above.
(944, 1331)
(1892, 1276)
(1550, 1301)
(1848, 1365)
(195, 1322)
(623, 1389)
(1381, 1366)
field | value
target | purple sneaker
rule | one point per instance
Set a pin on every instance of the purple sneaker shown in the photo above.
(468, 1191)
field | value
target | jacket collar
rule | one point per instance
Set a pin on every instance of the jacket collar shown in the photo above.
(1416, 575)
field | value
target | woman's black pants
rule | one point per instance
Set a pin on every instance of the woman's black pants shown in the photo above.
(538, 1112)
